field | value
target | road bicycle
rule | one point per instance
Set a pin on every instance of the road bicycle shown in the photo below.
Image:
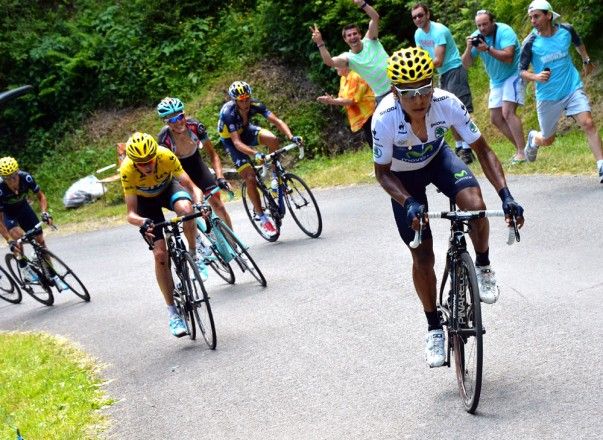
(9, 290)
(460, 309)
(291, 192)
(221, 245)
(49, 270)
(190, 297)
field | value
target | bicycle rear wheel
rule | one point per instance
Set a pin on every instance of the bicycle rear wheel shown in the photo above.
(302, 205)
(216, 261)
(243, 259)
(39, 290)
(199, 303)
(267, 202)
(56, 267)
(468, 341)
(9, 290)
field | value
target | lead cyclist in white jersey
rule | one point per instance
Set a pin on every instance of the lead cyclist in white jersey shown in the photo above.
(410, 152)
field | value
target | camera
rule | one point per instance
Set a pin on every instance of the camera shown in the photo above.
(477, 39)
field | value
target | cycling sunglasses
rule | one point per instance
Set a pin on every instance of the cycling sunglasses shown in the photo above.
(174, 119)
(411, 93)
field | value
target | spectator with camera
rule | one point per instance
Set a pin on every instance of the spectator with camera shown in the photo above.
(437, 40)
(498, 47)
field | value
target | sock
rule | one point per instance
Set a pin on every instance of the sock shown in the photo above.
(466, 146)
(433, 321)
(172, 310)
(482, 258)
(459, 145)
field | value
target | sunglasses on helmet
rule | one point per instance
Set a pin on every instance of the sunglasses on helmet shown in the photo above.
(411, 93)
(174, 119)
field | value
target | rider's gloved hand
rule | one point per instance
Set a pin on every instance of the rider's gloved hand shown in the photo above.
(144, 229)
(223, 183)
(509, 205)
(12, 245)
(413, 210)
(260, 158)
(46, 217)
(297, 139)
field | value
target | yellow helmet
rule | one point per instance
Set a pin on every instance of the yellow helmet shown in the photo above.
(409, 65)
(8, 165)
(141, 147)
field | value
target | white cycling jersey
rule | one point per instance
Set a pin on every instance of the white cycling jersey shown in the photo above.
(394, 141)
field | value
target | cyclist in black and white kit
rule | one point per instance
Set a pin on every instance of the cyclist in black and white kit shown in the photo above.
(410, 152)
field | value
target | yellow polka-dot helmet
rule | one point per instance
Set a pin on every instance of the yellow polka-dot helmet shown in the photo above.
(8, 165)
(409, 65)
(141, 147)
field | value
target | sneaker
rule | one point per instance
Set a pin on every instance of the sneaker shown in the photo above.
(465, 154)
(268, 227)
(59, 283)
(531, 149)
(202, 268)
(29, 275)
(177, 326)
(434, 350)
(488, 290)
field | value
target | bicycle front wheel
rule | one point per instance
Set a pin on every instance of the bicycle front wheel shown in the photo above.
(9, 290)
(243, 259)
(268, 202)
(302, 205)
(39, 290)
(56, 267)
(468, 341)
(199, 301)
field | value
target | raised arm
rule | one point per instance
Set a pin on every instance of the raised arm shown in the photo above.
(337, 61)
(373, 27)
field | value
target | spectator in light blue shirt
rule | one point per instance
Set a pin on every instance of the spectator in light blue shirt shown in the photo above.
(558, 84)
(437, 40)
(498, 47)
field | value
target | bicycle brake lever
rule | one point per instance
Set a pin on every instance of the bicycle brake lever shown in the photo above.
(417, 240)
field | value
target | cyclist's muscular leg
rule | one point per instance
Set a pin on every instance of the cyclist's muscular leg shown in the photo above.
(252, 191)
(269, 139)
(470, 199)
(218, 206)
(184, 207)
(423, 274)
(162, 272)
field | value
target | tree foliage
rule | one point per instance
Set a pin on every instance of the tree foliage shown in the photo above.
(83, 55)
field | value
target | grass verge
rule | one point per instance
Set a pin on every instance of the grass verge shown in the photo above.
(50, 389)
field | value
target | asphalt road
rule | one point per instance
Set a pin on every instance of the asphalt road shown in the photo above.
(333, 347)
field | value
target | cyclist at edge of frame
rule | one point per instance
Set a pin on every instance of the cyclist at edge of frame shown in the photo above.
(239, 137)
(186, 137)
(152, 178)
(17, 216)
(410, 152)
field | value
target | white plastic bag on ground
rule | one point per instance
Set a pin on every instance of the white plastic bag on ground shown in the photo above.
(85, 190)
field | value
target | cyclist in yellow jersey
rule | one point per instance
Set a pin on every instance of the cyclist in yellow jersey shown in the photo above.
(152, 178)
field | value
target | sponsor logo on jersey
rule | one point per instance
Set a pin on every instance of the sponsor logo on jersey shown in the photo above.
(433, 124)
(377, 152)
(473, 127)
(460, 174)
(387, 110)
(441, 98)
(375, 135)
(402, 129)
(440, 131)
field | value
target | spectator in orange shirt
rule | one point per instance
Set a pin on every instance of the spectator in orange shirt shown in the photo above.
(357, 98)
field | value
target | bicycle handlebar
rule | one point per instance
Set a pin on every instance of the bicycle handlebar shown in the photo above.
(28, 236)
(465, 216)
(286, 148)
